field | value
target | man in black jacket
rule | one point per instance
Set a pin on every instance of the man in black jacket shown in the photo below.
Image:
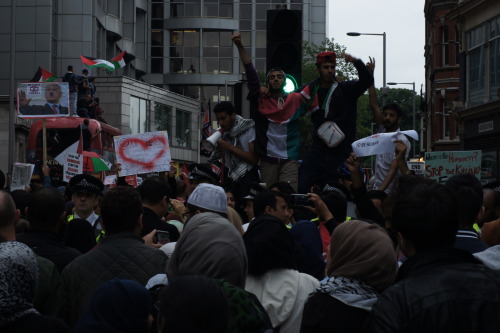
(46, 217)
(438, 288)
(156, 194)
(122, 254)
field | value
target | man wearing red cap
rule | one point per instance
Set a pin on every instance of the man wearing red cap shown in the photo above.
(333, 105)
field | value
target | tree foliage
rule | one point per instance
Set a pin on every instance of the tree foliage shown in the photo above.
(345, 71)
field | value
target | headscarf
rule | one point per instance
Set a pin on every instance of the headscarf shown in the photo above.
(210, 245)
(18, 281)
(269, 245)
(117, 306)
(362, 251)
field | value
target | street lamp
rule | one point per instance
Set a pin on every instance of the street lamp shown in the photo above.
(355, 34)
(414, 111)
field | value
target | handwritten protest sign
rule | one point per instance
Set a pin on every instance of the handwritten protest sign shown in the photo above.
(110, 180)
(379, 143)
(441, 165)
(73, 166)
(142, 153)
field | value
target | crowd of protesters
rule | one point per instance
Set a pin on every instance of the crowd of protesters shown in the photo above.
(201, 253)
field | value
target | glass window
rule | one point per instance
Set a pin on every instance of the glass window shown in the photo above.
(260, 39)
(245, 25)
(156, 38)
(157, 65)
(217, 46)
(157, 10)
(184, 51)
(185, 9)
(245, 11)
(138, 108)
(162, 118)
(246, 37)
(182, 129)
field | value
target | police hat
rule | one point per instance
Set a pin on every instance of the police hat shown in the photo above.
(202, 172)
(255, 188)
(85, 183)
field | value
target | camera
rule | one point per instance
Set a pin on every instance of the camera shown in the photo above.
(163, 237)
(301, 200)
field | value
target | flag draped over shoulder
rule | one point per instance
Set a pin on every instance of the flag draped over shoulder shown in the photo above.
(93, 63)
(43, 75)
(122, 60)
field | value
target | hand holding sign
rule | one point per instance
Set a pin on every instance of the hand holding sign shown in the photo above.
(379, 143)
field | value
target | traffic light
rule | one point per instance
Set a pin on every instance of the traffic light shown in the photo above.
(284, 42)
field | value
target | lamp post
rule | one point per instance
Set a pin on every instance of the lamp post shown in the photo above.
(356, 34)
(414, 111)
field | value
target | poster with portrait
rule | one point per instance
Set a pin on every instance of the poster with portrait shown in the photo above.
(43, 99)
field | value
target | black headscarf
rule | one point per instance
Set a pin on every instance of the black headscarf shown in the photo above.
(269, 245)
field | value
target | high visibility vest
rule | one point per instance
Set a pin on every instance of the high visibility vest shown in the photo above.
(99, 234)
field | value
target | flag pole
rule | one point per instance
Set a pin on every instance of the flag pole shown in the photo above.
(44, 142)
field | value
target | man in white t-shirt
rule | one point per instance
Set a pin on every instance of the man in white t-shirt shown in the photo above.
(386, 165)
(237, 149)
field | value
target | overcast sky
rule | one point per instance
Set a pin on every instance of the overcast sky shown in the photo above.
(404, 25)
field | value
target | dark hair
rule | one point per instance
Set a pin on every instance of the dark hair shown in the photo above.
(264, 199)
(283, 187)
(469, 194)
(377, 194)
(21, 199)
(426, 215)
(7, 210)
(45, 207)
(337, 205)
(2, 180)
(120, 209)
(226, 107)
(70, 68)
(194, 303)
(393, 107)
(153, 189)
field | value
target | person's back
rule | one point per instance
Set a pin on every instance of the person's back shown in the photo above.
(45, 214)
(438, 288)
(122, 254)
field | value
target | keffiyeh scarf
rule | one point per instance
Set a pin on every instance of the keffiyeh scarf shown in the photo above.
(349, 291)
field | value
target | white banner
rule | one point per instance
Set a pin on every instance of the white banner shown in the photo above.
(379, 143)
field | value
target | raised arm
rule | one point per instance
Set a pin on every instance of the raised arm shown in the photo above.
(365, 75)
(253, 80)
(372, 94)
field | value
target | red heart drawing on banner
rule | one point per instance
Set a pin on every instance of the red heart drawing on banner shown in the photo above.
(145, 145)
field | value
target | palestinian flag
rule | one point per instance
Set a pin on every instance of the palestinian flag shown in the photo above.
(122, 60)
(43, 75)
(93, 63)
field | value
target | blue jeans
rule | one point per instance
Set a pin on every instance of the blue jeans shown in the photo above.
(318, 168)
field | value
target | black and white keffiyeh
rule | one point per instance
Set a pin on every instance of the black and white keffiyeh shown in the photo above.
(349, 291)
(18, 281)
(237, 167)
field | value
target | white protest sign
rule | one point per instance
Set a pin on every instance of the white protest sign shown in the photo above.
(417, 168)
(379, 143)
(110, 180)
(73, 166)
(142, 153)
(21, 175)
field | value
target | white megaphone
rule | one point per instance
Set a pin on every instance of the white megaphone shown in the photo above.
(211, 142)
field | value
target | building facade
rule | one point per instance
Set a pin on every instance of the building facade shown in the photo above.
(442, 69)
(478, 25)
(54, 34)
(191, 48)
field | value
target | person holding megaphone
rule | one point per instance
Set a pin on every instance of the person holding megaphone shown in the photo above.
(234, 145)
